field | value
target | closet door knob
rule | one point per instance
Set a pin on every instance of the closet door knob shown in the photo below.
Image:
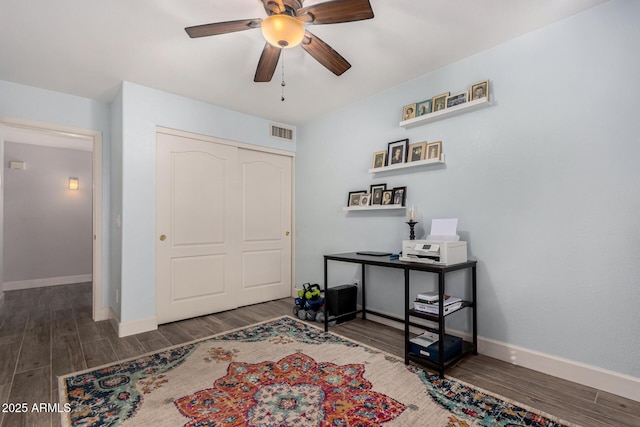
(286, 234)
(163, 237)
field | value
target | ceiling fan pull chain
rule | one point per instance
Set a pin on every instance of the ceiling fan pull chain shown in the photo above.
(283, 84)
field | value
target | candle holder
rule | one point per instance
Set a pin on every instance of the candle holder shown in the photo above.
(412, 232)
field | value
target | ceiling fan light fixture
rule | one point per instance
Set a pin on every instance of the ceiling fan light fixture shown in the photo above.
(283, 31)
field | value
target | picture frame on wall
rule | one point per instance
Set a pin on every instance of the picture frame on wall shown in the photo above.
(397, 152)
(387, 197)
(434, 150)
(379, 159)
(439, 102)
(399, 195)
(408, 112)
(354, 198)
(417, 151)
(376, 191)
(479, 90)
(423, 108)
(457, 99)
(364, 200)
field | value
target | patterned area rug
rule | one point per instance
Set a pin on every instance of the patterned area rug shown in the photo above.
(280, 373)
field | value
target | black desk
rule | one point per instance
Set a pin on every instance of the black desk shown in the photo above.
(441, 271)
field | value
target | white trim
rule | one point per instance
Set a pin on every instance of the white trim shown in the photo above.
(135, 327)
(96, 136)
(131, 328)
(200, 137)
(47, 281)
(581, 373)
(570, 370)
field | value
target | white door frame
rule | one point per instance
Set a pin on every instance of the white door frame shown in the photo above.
(99, 312)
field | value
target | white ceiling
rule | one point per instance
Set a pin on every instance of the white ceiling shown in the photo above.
(87, 47)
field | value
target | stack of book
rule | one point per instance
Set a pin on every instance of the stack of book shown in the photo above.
(429, 303)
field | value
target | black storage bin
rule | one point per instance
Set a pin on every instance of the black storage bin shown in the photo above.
(341, 300)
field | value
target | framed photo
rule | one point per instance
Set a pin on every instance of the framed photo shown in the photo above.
(439, 102)
(379, 159)
(434, 150)
(354, 197)
(387, 197)
(397, 151)
(376, 193)
(423, 107)
(399, 195)
(417, 151)
(457, 99)
(408, 112)
(364, 200)
(479, 90)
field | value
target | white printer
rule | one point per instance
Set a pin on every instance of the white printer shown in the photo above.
(442, 246)
(440, 252)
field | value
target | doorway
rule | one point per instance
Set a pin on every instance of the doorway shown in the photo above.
(56, 139)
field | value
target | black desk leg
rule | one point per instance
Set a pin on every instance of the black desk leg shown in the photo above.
(441, 323)
(406, 316)
(474, 310)
(364, 296)
(324, 306)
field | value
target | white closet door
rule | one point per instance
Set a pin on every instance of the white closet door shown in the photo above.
(265, 214)
(198, 228)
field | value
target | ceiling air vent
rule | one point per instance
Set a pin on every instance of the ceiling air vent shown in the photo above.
(279, 131)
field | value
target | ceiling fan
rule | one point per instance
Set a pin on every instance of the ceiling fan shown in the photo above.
(284, 28)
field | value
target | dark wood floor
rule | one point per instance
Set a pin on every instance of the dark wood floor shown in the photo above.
(48, 332)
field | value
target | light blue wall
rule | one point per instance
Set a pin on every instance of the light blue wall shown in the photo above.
(544, 183)
(43, 106)
(115, 218)
(143, 109)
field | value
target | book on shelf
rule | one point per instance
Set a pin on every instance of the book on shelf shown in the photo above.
(428, 297)
(448, 300)
(435, 308)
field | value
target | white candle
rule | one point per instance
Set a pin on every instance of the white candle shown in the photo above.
(412, 213)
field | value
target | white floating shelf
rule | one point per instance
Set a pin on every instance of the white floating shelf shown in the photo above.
(373, 208)
(447, 112)
(408, 165)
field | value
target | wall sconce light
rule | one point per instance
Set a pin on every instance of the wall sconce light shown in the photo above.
(74, 183)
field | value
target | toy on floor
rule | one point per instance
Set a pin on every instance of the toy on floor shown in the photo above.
(309, 302)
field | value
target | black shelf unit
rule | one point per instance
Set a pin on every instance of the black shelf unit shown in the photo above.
(407, 267)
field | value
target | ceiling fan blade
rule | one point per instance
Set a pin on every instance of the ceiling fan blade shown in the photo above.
(222, 27)
(336, 11)
(325, 54)
(267, 64)
(273, 6)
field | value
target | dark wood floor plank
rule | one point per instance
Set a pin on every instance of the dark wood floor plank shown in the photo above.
(196, 328)
(174, 333)
(36, 349)
(156, 344)
(98, 353)
(124, 348)
(63, 323)
(9, 350)
(619, 404)
(15, 323)
(31, 387)
(66, 356)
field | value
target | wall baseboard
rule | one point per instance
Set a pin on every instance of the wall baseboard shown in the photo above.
(135, 327)
(48, 281)
(570, 370)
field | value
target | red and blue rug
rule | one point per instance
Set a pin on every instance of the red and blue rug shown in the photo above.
(280, 373)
